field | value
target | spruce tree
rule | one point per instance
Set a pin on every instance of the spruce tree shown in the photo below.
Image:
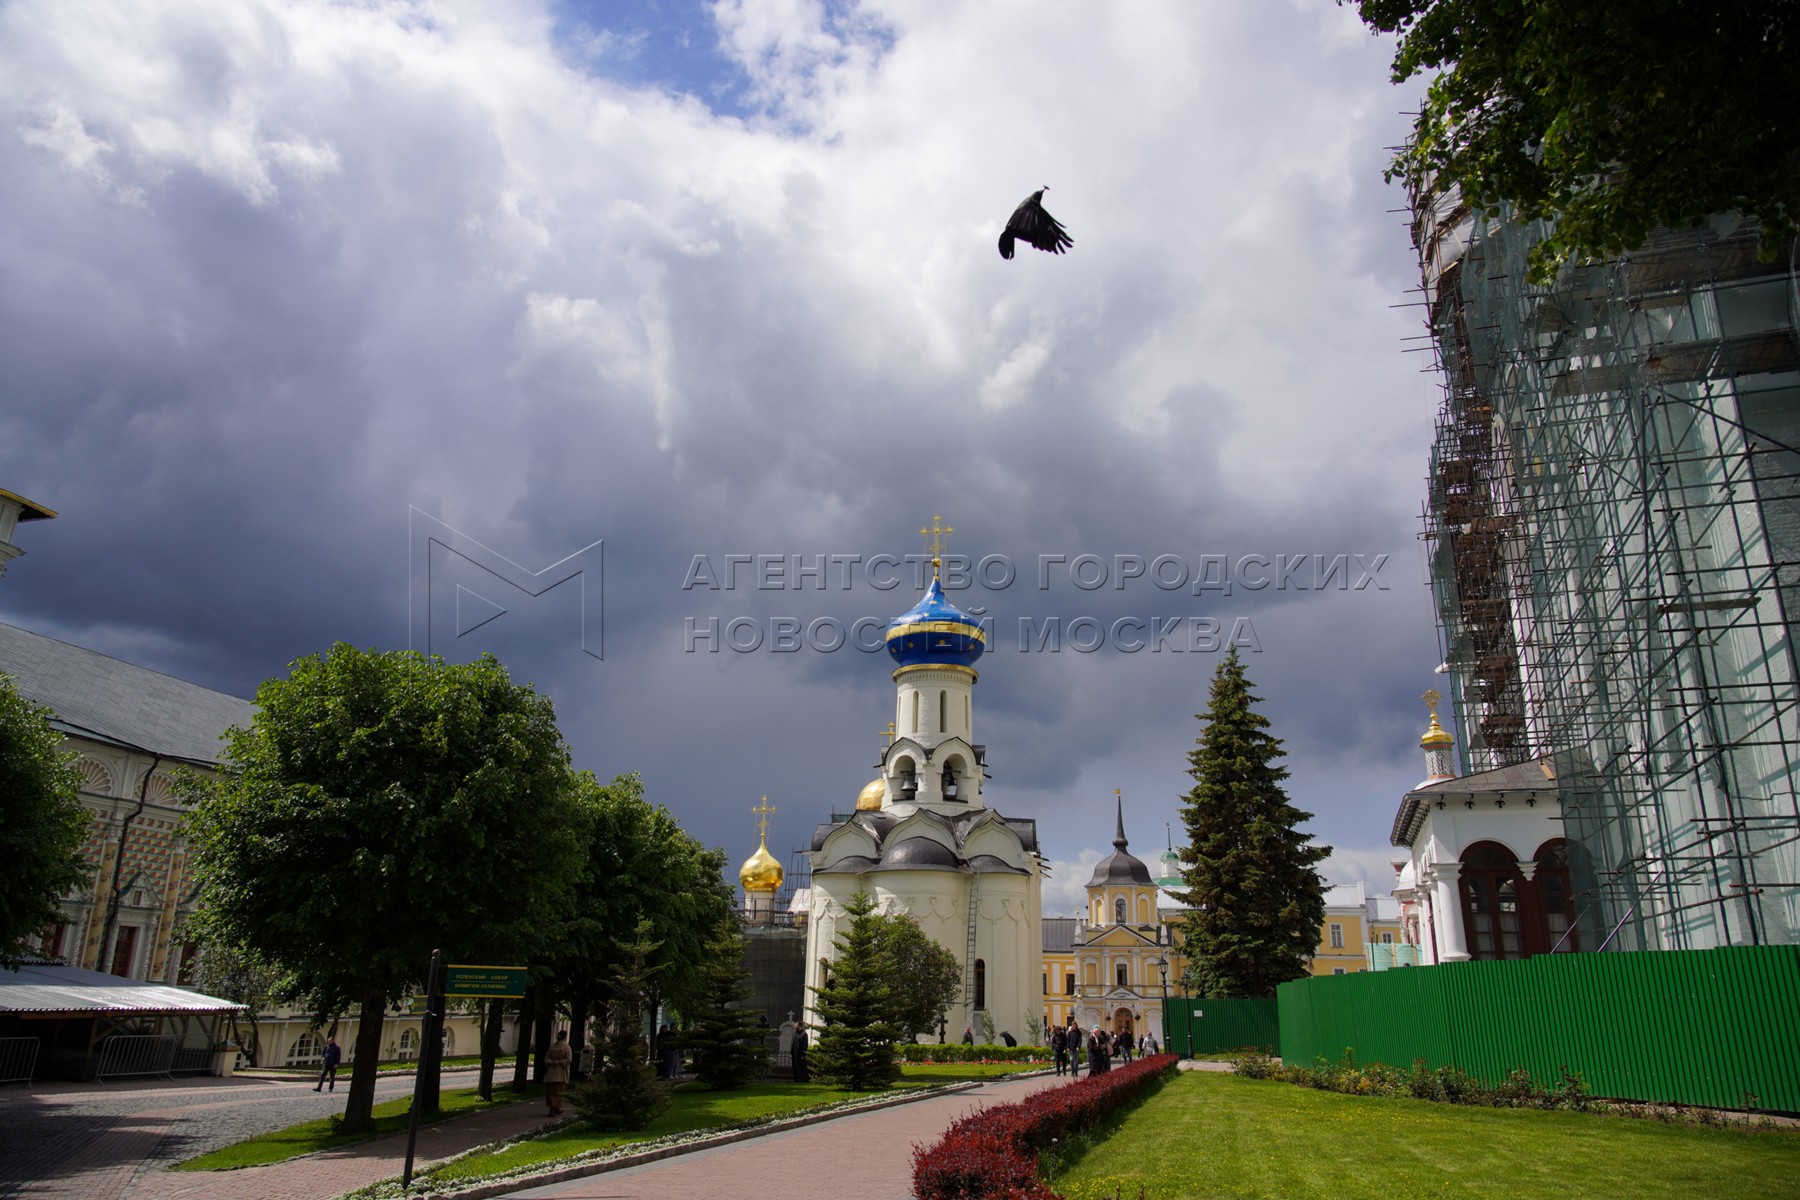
(625, 1094)
(856, 1033)
(725, 1039)
(1257, 903)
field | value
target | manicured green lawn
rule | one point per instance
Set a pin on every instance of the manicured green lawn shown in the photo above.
(391, 1116)
(1207, 1135)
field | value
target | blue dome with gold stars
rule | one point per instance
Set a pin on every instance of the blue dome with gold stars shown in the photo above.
(935, 633)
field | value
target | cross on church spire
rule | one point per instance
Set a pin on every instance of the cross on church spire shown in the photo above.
(1431, 699)
(762, 812)
(936, 546)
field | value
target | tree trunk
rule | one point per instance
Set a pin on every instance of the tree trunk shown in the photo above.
(490, 1045)
(522, 1054)
(578, 1010)
(359, 1103)
(546, 1028)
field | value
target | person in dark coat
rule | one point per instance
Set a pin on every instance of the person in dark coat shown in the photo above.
(1096, 1049)
(797, 1054)
(1059, 1044)
(1076, 1043)
(334, 1054)
(1007, 1037)
(968, 1035)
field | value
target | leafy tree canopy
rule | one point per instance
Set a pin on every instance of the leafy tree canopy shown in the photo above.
(932, 978)
(639, 865)
(1257, 903)
(42, 823)
(380, 806)
(1610, 118)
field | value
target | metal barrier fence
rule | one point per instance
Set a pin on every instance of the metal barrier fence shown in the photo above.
(18, 1059)
(135, 1054)
(1709, 1027)
(1200, 1027)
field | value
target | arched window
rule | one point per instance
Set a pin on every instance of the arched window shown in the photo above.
(409, 1044)
(1119, 917)
(1490, 884)
(915, 715)
(980, 984)
(943, 713)
(1122, 975)
(306, 1049)
(1552, 880)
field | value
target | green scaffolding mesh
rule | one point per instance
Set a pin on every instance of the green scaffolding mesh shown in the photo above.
(1613, 519)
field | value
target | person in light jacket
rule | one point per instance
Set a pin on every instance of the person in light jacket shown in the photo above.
(556, 1072)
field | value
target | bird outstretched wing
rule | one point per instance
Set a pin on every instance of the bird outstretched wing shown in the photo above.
(1035, 227)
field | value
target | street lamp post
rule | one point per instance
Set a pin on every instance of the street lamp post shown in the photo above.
(1162, 967)
(1187, 1017)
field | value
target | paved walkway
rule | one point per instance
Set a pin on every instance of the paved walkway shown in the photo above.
(868, 1157)
(115, 1142)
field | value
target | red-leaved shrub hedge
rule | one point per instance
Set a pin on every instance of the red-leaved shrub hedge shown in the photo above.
(992, 1154)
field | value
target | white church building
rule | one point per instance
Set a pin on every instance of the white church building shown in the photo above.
(922, 840)
(1486, 872)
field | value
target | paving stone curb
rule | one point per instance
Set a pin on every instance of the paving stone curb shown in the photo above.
(484, 1191)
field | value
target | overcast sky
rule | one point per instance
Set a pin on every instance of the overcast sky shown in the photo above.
(291, 292)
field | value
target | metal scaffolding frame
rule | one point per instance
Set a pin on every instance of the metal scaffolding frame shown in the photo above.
(1613, 519)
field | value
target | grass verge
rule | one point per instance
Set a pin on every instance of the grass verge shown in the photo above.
(1222, 1136)
(308, 1136)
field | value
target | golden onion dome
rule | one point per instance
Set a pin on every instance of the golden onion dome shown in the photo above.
(870, 798)
(760, 872)
(1436, 737)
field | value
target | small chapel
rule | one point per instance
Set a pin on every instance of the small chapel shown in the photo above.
(922, 840)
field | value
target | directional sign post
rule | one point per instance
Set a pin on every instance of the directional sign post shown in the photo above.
(486, 983)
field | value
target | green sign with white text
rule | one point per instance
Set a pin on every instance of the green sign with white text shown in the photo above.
(493, 983)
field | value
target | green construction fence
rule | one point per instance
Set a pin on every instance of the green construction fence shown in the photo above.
(1199, 1028)
(1718, 1028)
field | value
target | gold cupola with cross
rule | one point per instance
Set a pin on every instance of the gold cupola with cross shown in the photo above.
(760, 872)
(1439, 746)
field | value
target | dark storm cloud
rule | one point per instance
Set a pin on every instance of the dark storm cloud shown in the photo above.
(279, 274)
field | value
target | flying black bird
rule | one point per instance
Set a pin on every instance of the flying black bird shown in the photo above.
(1035, 227)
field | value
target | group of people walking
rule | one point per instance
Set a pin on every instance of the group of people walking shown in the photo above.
(1071, 1044)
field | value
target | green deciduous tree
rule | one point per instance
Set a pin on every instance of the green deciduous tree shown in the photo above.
(42, 823)
(855, 1008)
(725, 1039)
(381, 806)
(1610, 118)
(233, 973)
(638, 864)
(930, 975)
(1257, 902)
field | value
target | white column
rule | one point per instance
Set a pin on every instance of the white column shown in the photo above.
(1446, 903)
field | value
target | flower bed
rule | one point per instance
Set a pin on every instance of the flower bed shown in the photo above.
(994, 1153)
(925, 1052)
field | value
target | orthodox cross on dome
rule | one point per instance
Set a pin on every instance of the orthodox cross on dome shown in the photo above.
(887, 733)
(762, 812)
(936, 546)
(1431, 699)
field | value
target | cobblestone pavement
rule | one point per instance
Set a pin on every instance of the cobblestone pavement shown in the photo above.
(867, 1157)
(107, 1142)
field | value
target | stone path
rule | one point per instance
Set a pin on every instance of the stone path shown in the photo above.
(115, 1141)
(867, 1157)
(81, 1142)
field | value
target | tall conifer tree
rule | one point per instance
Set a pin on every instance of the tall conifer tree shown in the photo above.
(1257, 902)
(855, 1007)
